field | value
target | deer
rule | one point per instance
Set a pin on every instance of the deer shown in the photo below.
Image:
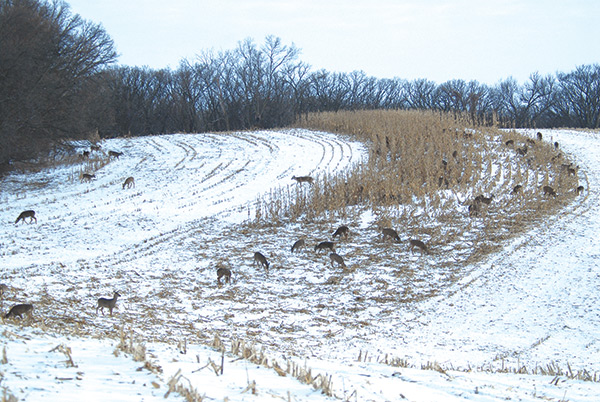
(549, 191)
(522, 151)
(509, 143)
(579, 190)
(223, 273)
(85, 155)
(539, 136)
(261, 260)
(18, 310)
(26, 214)
(474, 209)
(3, 289)
(325, 245)
(95, 147)
(87, 177)
(298, 245)
(108, 303)
(114, 154)
(129, 182)
(419, 244)
(483, 199)
(342, 231)
(337, 259)
(516, 189)
(303, 179)
(390, 233)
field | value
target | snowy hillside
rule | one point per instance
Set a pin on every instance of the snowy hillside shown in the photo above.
(533, 305)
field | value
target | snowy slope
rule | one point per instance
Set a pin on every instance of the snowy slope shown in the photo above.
(533, 304)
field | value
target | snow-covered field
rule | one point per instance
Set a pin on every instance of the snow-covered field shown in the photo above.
(534, 304)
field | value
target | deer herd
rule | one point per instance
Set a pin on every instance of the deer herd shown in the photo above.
(475, 208)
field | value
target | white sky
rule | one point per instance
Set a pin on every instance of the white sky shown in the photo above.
(485, 40)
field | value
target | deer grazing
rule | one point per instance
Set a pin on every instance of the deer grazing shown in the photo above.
(261, 260)
(87, 177)
(325, 245)
(391, 234)
(129, 182)
(26, 214)
(337, 259)
(419, 244)
(549, 191)
(342, 231)
(18, 310)
(484, 200)
(303, 179)
(108, 303)
(298, 245)
(114, 154)
(223, 273)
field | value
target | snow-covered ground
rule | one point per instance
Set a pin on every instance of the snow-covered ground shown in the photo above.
(534, 304)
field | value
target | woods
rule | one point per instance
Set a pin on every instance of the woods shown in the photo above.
(58, 80)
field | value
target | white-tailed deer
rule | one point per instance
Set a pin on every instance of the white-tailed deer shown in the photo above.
(579, 190)
(517, 189)
(509, 143)
(390, 233)
(3, 289)
(539, 136)
(549, 191)
(223, 273)
(87, 177)
(337, 259)
(18, 310)
(303, 179)
(114, 154)
(95, 147)
(419, 244)
(129, 182)
(483, 199)
(26, 214)
(342, 231)
(474, 209)
(108, 303)
(298, 245)
(325, 245)
(261, 260)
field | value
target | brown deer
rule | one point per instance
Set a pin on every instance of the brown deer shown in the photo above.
(579, 190)
(18, 310)
(85, 155)
(390, 233)
(325, 245)
(223, 273)
(26, 214)
(261, 260)
(342, 231)
(419, 244)
(129, 182)
(509, 143)
(298, 245)
(337, 259)
(87, 177)
(484, 200)
(539, 136)
(522, 151)
(95, 147)
(114, 154)
(3, 289)
(108, 303)
(474, 209)
(549, 191)
(517, 189)
(303, 179)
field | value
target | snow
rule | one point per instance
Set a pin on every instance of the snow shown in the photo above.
(533, 304)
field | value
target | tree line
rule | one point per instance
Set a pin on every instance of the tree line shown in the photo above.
(58, 79)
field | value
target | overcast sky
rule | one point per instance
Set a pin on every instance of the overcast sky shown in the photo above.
(484, 40)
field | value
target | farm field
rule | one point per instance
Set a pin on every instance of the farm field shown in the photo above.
(481, 329)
